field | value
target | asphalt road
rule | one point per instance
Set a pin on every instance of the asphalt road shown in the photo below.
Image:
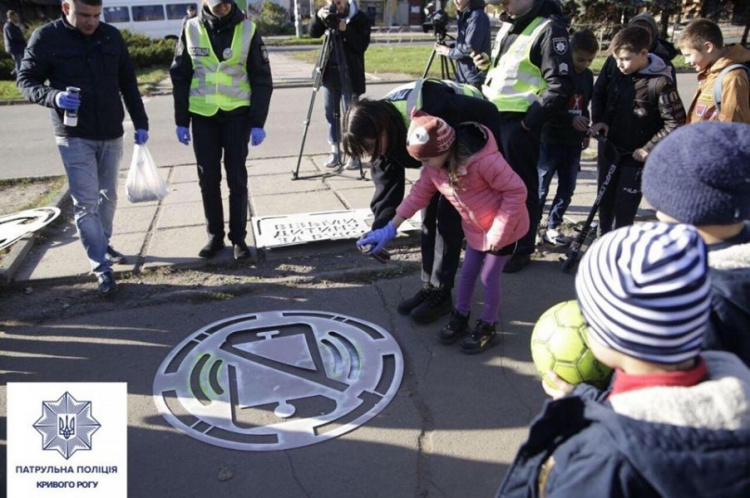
(29, 150)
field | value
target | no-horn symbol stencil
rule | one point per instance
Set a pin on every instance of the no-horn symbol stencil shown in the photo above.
(278, 380)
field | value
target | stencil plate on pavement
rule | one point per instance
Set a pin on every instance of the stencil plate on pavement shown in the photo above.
(279, 379)
(16, 226)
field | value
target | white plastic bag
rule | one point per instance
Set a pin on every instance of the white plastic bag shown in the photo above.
(144, 181)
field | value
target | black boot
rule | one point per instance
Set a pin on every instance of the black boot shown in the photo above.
(456, 328)
(480, 338)
(439, 303)
(407, 305)
(211, 249)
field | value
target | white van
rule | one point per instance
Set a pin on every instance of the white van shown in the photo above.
(153, 18)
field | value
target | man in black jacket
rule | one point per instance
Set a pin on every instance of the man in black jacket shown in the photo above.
(529, 81)
(222, 83)
(354, 28)
(79, 51)
(473, 37)
(15, 43)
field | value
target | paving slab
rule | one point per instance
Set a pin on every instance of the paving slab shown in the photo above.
(134, 218)
(180, 247)
(313, 202)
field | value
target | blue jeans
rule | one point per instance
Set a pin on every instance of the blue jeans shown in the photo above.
(564, 159)
(332, 104)
(93, 167)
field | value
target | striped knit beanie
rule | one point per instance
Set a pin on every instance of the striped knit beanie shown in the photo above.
(429, 136)
(644, 291)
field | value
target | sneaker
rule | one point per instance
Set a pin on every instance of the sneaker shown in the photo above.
(333, 161)
(456, 328)
(241, 251)
(407, 305)
(438, 303)
(480, 338)
(211, 249)
(516, 263)
(354, 164)
(115, 257)
(107, 284)
(554, 237)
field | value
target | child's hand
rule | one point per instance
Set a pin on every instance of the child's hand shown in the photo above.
(580, 123)
(640, 155)
(599, 128)
(561, 388)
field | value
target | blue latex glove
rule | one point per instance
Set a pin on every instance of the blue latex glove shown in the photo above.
(183, 135)
(141, 137)
(68, 101)
(378, 237)
(257, 135)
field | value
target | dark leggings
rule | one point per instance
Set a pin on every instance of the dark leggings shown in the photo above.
(490, 266)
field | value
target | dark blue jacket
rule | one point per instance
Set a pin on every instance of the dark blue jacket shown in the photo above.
(99, 65)
(473, 34)
(729, 324)
(583, 448)
(15, 43)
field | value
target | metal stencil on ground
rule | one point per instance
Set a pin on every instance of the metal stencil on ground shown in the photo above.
(278, 380)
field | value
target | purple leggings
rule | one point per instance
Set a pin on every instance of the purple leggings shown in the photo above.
(491, 267)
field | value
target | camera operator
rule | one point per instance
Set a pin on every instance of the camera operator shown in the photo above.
(473, 36)
(353, 26)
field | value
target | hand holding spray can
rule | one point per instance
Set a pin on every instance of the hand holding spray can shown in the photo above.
(71, 116)
(382, 255)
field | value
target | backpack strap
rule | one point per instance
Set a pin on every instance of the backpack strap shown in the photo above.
(720, 80)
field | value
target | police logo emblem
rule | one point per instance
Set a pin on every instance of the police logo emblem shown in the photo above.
(227, 54)
(560, 45)
(278, 380)
(66, 425)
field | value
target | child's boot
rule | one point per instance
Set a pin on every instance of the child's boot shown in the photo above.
(480, 338)
(456, 328)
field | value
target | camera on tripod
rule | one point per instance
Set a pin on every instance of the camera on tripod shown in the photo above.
(435, 20)
(334, 17)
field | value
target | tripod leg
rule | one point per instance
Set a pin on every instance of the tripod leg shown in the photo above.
(429, 63)
(325, 54)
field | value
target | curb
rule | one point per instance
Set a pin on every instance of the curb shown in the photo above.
(19, 250)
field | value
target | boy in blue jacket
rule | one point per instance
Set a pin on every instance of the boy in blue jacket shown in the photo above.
(675, 422)
(700, 175)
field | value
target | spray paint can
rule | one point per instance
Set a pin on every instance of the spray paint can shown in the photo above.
(382, 255)
(71, 116)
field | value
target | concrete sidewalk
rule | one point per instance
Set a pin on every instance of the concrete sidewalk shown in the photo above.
(171, 232)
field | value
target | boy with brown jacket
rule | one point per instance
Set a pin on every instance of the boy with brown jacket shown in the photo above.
(703, 46)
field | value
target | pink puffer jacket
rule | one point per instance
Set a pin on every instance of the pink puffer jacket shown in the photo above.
(490, 197)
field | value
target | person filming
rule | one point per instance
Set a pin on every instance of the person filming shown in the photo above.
(354, 28)
(473, 37)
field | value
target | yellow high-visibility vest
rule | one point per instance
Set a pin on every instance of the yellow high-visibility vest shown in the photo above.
(218, 84)
(514, 83)
(408, 97)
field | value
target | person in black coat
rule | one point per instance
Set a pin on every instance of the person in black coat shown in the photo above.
(354, 29)
(79, 51)
(15, 43)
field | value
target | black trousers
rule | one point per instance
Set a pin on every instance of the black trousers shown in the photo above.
(521, 149)
(620, 202)
(212, 136)
(442, 238)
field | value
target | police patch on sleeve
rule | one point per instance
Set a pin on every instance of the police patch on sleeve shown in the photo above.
(264, 53)
(560, 45)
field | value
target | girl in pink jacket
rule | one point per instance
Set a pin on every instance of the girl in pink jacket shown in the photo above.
(466, 167)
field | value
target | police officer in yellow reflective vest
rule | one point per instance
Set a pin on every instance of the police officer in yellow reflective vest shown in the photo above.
(529, 82)
(222, 84)
(377, 129)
